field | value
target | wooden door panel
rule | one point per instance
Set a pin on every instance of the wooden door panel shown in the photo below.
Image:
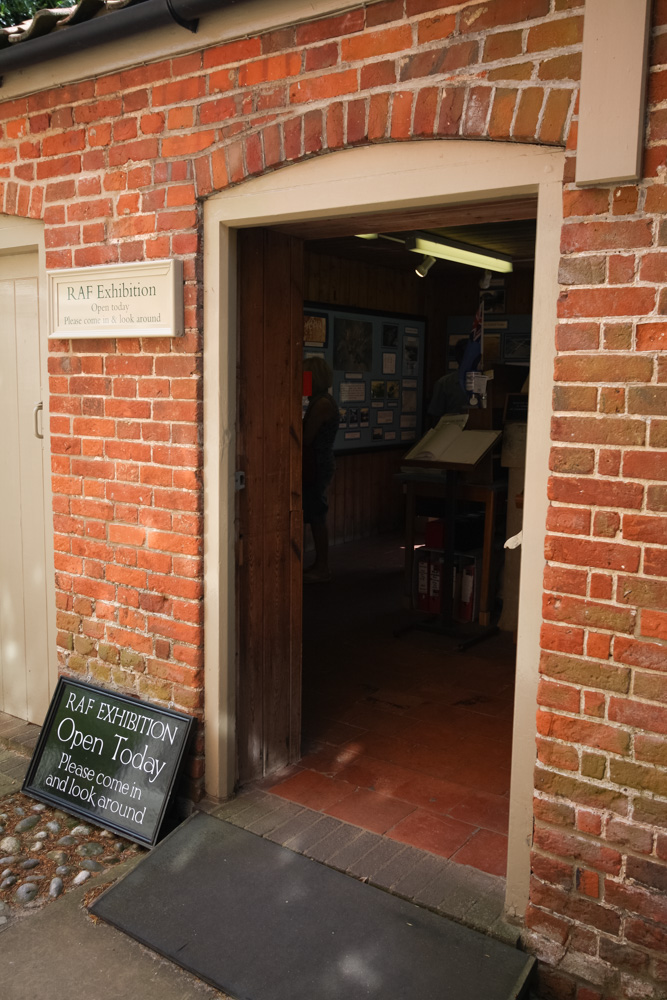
(269, 508)
(13, 690)
(296, 635)
(250, 421)
(32, 498)
(277, 653)
(277, 361)
(296, 396)
(249, 706)
(24, 690)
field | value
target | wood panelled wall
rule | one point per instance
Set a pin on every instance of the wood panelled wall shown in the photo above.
(364, 498)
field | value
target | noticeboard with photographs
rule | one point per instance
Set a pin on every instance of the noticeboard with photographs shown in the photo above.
(378, 371)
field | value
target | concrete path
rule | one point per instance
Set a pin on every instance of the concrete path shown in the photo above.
(59, 951)
(17, 742)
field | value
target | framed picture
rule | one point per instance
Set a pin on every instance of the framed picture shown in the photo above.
(516, 348)
(390, 335)
(410, 355)
(353, 345)
(315, 329)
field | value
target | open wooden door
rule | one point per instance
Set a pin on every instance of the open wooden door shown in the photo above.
(269, 515)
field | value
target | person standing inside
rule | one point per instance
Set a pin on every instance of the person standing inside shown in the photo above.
(449, 396)
(320, 425)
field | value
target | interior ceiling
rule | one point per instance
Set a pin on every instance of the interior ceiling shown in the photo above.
(507, 227)
(517, 239)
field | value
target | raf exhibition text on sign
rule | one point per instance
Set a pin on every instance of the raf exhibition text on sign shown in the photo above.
(144, 299)
(108, 758)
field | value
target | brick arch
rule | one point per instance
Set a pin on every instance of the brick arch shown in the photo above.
(473, 111)
(22, 200)
(383, 72)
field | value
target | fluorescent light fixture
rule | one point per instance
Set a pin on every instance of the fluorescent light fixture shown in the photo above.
(460, 253)
(380, 236)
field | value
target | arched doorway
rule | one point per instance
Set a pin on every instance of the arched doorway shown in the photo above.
(349, 184)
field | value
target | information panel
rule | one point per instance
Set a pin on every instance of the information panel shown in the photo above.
(378, 367)
(108, 758)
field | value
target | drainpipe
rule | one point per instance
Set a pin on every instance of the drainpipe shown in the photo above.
(119, 24)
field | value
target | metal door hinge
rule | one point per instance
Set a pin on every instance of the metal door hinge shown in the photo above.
(239, 481)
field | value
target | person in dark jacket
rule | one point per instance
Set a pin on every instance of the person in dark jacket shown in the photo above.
(448, 394)
(320, 425)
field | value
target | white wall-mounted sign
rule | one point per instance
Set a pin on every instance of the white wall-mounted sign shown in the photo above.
(143, 299)
(614, 68)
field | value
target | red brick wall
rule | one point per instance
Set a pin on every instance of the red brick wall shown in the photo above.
(117, 167)
(600, 840)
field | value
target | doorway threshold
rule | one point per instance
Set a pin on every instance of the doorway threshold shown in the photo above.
(463, 894)
(259, 921)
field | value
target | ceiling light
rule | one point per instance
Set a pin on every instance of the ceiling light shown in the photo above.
(425, 266)
(460, 253)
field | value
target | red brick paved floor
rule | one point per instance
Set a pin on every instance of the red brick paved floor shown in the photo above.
(405, 737)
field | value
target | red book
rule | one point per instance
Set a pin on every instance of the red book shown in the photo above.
(434, 534)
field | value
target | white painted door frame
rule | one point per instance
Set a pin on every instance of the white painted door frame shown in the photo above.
(19, 237)
(347, 183)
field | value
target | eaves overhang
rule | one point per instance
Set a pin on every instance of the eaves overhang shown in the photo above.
(60, 32)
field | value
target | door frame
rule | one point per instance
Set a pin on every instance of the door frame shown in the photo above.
(17, 237)
(378, 179)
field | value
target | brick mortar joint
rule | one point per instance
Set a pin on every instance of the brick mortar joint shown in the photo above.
(610, 786)
(595, 841)
(555, 955)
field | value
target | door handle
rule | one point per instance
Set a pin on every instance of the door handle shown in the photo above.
(35, 416)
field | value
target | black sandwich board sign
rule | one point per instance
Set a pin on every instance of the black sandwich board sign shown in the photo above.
(108, 758)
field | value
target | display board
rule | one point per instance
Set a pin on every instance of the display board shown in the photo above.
(108, 758)
(378, 373)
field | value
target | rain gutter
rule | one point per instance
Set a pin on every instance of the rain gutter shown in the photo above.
(108, 27)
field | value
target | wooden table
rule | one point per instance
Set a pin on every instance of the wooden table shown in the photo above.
(416, 485)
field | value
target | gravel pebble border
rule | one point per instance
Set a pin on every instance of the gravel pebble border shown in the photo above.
(44, 852)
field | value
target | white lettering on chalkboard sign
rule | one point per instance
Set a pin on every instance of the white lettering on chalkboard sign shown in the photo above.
(108, 758)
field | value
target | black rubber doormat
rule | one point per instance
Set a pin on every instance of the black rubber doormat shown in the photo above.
(262, 923)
